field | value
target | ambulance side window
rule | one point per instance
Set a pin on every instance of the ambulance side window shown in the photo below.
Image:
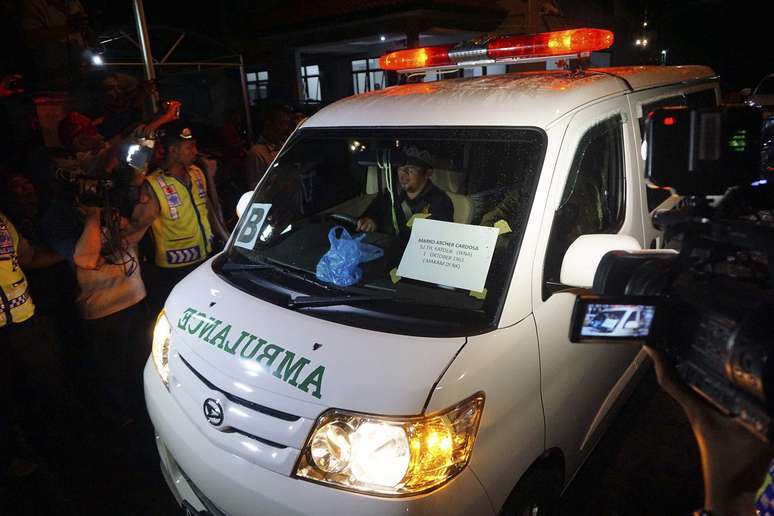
(594, 196)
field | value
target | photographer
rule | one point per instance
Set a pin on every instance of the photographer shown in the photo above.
(110, 294)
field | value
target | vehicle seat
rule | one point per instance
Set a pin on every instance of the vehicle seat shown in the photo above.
(452, 183)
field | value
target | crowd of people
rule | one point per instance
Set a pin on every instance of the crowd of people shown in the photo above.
(92, 243)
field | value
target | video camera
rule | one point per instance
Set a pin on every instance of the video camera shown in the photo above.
(709, 308)
(112, 189)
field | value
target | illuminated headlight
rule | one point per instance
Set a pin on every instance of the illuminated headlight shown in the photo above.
(160, 349)
(391, 456)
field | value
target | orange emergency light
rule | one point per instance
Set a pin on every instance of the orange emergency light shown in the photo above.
(531, 47)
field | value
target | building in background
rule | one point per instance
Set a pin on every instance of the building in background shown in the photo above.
(316, 56)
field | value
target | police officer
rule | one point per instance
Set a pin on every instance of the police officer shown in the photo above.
(28, 362)
(16, 306)
(176, 205)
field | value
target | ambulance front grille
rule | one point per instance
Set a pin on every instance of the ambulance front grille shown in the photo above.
(248, 428)
(241, 401)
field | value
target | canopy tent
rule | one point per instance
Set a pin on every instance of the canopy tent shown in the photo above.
(183, 51)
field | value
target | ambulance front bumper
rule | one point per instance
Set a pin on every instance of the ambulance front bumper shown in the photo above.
(210, 480)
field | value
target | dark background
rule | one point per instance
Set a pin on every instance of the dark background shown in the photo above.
(735, 38)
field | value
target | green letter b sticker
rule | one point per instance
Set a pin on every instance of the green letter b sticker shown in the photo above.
(253, 220)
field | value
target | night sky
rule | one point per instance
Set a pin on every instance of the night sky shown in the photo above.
(733, 37)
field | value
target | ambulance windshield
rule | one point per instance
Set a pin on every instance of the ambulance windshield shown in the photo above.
(412, 231)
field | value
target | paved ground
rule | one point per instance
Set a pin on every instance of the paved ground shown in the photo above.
(646, 464)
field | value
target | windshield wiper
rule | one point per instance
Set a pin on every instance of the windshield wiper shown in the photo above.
(302, 301)
(345, 294)
(238, 267)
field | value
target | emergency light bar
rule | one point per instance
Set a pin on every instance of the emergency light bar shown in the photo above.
(500, 49)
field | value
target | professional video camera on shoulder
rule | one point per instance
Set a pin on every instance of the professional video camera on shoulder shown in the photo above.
(101, 181)
(709, 307)
(108, 178)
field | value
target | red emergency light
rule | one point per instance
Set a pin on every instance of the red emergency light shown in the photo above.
(500, 49)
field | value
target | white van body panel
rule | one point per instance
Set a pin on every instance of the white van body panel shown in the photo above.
(505, 365)
(365, 371)
(193, 466)
(497, 100)
(541, 391)
(518, 305)
(571, 413)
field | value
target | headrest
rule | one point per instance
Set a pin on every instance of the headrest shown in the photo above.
(448, 180)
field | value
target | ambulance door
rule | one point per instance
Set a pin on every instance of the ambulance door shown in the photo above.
(594, 189)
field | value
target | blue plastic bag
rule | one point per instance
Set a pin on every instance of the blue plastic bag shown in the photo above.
(341, 264)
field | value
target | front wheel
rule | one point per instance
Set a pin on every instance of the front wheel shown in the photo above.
(536, 494)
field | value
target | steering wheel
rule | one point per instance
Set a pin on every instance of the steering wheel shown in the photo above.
(343, 217)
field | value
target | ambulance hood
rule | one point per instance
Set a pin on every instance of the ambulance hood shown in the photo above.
(277, 357)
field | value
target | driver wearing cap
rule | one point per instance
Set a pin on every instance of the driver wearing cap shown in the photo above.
(418, 195)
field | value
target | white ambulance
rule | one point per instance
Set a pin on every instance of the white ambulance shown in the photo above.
(439, 379)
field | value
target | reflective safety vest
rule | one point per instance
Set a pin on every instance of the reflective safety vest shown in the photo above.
(181, 232)
(15, 301)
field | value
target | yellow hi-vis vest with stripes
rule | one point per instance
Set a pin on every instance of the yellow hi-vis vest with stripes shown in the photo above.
(181, 232)
(15, 301)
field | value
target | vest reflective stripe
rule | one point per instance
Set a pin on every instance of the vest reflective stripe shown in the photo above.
(14, 297)
(181, 232)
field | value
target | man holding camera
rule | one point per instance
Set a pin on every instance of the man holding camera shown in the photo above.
(176, 206)
(737, 466)
(110, 287)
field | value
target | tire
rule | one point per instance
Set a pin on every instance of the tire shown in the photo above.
(536, 494)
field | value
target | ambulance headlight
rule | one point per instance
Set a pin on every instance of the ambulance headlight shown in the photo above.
(391, 456)
(160, 349)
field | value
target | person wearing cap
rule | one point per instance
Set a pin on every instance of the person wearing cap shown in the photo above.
(87, 150)
(176, 206)
(418, 195)
(79, 133)
(79, 136)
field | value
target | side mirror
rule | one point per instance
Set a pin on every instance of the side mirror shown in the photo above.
(632, 325)
(745, 92)
(583, 256)
(243, 202)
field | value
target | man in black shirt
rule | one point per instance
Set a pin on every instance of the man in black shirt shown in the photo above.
(418, 195)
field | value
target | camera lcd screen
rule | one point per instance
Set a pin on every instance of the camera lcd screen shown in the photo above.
(602, 319)
(137, 156)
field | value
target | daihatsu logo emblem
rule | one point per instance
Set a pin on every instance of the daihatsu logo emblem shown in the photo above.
(213, 411)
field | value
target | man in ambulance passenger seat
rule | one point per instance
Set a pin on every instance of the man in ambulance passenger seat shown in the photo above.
(417, 195)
